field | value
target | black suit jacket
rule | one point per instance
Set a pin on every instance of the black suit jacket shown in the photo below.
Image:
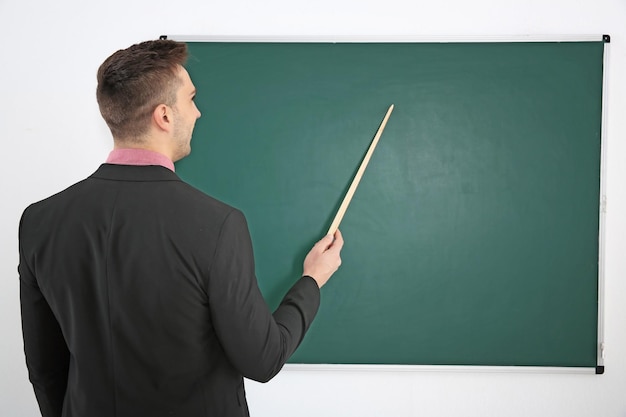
(139, 299)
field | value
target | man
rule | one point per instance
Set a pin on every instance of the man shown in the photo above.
(138, 291)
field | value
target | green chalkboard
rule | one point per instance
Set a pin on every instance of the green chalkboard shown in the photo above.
(473, 238)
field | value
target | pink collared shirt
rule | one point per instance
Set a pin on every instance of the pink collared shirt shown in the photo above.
(129, 156)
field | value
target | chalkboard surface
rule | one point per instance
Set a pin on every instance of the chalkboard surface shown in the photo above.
(473, 236)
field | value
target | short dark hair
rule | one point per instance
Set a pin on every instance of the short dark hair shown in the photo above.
(133, 81)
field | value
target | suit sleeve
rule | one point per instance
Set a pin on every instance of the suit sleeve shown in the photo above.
(47, 355)
(257, 342)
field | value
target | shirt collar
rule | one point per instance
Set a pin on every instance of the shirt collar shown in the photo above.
(131, 156)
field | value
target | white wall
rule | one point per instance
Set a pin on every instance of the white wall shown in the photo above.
(53, 136)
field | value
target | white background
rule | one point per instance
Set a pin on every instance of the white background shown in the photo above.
(53, 136)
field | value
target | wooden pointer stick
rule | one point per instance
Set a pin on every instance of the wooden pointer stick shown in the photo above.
(357, 177)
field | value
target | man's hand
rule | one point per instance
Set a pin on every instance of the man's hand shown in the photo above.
(324, 258)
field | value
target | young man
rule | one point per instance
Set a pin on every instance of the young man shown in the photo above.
(138, 292)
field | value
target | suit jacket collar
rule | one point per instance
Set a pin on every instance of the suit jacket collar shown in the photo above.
(135, 173)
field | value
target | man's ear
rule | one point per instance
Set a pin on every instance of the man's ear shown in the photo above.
(162, 117)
